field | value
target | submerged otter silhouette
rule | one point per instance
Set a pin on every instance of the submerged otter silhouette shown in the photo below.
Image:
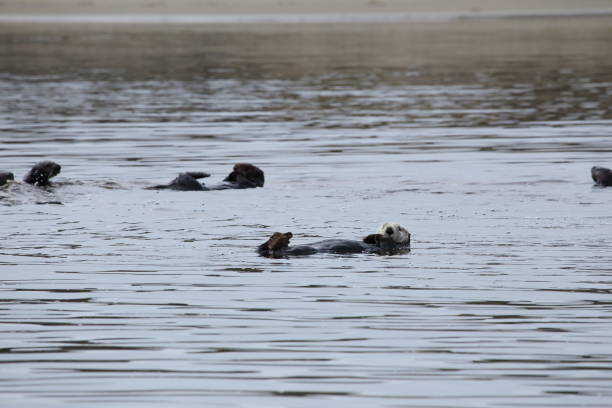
(38, 175)
(391, 238)
(601, 176)
(244, 175)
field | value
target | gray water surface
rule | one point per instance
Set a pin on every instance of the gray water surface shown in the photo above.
(478, 137)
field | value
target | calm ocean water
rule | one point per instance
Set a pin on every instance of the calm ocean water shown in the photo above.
(476, 136)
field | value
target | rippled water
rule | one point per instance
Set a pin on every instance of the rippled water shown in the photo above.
(478, 137)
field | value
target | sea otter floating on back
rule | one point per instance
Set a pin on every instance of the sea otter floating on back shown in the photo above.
(244, 175)
(391, 238)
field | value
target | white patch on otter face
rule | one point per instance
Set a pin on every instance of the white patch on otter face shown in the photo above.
(394, 231)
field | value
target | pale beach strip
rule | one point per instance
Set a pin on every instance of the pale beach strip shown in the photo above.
(309, 18)
(289, 11)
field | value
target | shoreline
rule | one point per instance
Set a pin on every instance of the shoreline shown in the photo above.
(290, 11)
(304, 18)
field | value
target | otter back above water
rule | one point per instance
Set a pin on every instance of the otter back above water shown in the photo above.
(478, 137)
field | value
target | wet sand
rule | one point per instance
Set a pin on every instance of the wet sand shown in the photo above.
(285, 50)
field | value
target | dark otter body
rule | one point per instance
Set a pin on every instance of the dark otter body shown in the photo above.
(278, 246)
(244, 175)
(332, 246)
(184, 182)
(5, 177)
(602, 176)
(40, 174)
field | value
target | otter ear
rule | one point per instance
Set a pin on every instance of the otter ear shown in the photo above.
(373, 239)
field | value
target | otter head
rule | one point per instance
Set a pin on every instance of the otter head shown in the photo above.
(602, 176)
(390, 236)
(40, 174)
(275, 246)
(5, 177)
(246, 175)
(395, 232)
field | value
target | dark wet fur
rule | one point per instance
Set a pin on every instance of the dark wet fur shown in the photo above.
(5, 177)
(243, 175)
(40, 174)
(184, 182)
(277, 242)
(278, 246)
(602, 176)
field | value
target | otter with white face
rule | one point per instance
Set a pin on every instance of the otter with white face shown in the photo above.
(391, 238)
(394, 231)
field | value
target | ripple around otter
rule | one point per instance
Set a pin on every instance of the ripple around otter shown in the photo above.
(478, 137)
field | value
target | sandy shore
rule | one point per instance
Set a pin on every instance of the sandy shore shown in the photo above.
(302, 7)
